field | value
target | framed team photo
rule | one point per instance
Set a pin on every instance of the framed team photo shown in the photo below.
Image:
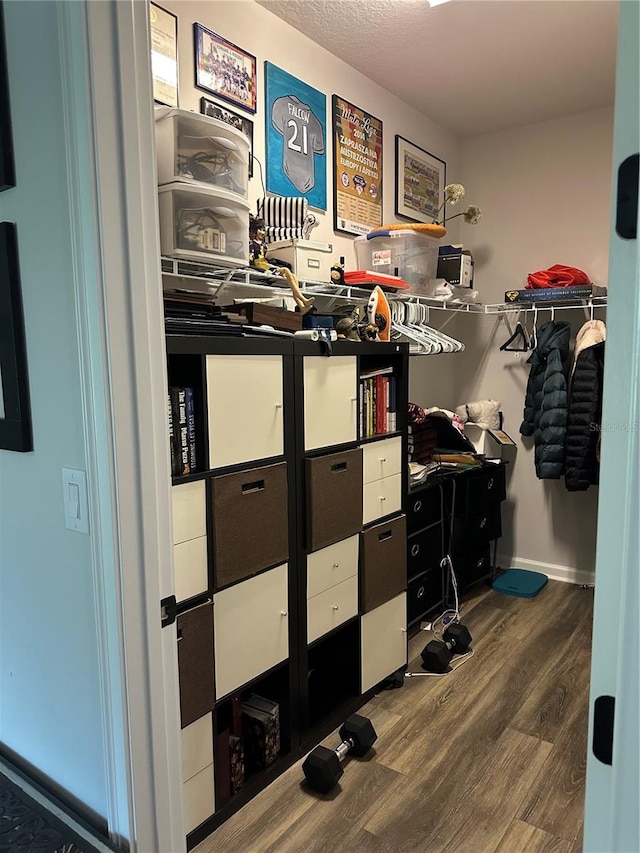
(164, 55)
(357, 168)
(296, 137)
(420, 182)
(224, 69)
(241, 123)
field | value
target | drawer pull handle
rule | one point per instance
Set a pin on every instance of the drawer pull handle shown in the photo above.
(383, 458)
(483, 523)
(338, 467)
(404, 630)
(415, 550)
(382, 498)
(250, 488)
(284, 613)
(335, 607)
(490, 484)
(480, 563)
(278, 405)
(417, 506)
(421, 592)
(382, 537)
(353, 399)
(336, 565)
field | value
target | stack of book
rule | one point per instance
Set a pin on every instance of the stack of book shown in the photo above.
(182, 431)
(422, 442)
(261, 731)
(377, 402)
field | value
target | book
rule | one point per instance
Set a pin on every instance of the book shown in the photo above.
(180, 447)
(173, 456)
(260, 734)
(555, 294)
(378, 371)
(269, 707)
(191, 429)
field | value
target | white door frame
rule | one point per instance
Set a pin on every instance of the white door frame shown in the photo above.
(105, 58)
(611, 806)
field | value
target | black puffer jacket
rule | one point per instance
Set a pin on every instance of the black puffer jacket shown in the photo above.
(545, 407)
(585, 408)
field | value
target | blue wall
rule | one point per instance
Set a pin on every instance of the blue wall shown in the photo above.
(50, 711)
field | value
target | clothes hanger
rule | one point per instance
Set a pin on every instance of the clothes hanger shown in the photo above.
(519, 338)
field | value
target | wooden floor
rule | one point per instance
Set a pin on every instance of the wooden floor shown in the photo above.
(492, 757)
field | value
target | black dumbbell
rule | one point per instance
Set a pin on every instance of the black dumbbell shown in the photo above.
(323, 767)
(436, 655)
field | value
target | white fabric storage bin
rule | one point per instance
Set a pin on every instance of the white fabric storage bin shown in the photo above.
(413, 254)
(199, 149)
(309, 259)
(203, 224)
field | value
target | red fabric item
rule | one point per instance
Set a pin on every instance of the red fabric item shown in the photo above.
(557, 276)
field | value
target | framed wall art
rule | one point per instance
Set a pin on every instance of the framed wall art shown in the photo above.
(164, 55)
(357, 168)
(241, 123)
(224, 69)
(15, 410)
(420, 182)
(295, 132)
(7, 170)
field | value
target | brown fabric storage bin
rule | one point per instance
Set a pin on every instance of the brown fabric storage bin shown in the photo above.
(195, 663)
(250, 524)
(334, 497)
(383, 563)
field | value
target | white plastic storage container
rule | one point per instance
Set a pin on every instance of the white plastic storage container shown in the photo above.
(204, 224)
(199, 149)
(309, 259)
(410, 254)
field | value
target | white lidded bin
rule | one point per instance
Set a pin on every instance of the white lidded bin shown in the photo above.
(200, 149)
(413, 255)
(203, 224)
(310, 260)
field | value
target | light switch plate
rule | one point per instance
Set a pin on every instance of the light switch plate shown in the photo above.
(76, 504)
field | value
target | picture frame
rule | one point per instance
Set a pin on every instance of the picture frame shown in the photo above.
(225, 70)
(15, 409)
(295, 124)
(357, 168)
(163, 26)
(420, 181)
(241, 123)
(7, 166)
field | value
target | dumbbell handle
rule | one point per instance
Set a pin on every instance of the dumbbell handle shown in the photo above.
(344, 748)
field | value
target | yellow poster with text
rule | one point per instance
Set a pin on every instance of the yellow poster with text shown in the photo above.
(357, 168)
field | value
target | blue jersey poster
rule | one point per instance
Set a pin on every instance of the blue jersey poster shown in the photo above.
(296, 137)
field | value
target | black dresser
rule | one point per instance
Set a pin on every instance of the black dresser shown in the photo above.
(457, 513)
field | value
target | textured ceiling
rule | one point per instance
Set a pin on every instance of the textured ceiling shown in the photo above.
(472, 66)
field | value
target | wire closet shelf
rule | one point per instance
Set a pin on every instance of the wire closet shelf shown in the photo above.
(213, 279)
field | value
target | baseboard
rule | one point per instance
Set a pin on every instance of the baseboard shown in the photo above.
(566, 574)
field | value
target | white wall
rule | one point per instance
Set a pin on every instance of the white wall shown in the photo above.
(267, 37)
(50, 710)
(545, 191)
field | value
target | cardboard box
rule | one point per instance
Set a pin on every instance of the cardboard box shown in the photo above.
(309, 259)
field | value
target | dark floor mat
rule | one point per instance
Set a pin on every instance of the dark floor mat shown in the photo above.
(27, 827)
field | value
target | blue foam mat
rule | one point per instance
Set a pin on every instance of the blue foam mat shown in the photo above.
(520, 582)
